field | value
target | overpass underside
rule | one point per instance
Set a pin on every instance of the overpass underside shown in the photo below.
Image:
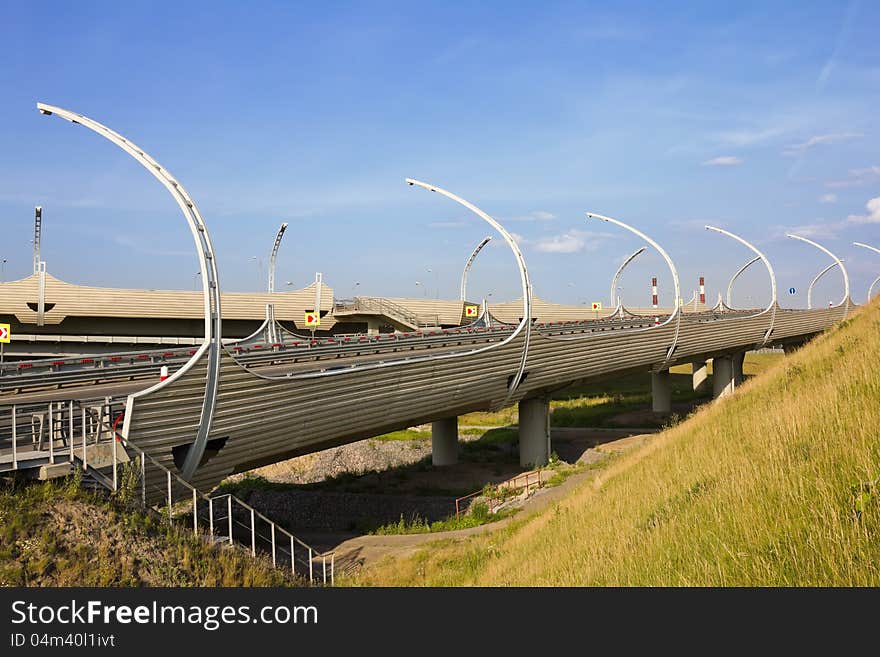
(264, 417)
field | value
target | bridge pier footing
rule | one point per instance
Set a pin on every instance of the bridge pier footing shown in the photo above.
(723, 380)
(700, 376)
(661, 391)
(444, 441)
(534, 432)
(738, 360)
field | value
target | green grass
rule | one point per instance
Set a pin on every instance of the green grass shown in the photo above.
(476, 516)
(777, 485)
(56, 534)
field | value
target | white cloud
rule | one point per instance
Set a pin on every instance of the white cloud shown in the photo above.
(747, 137)
(537, 215)
(873, 216)
(828, 198)
(857, 178)
(803, 147)
(723, 161)
(570, 242)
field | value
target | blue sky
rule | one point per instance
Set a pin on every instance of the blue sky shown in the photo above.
(758, 117)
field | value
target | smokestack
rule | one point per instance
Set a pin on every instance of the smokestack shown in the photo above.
(654, 291)
(702, 290)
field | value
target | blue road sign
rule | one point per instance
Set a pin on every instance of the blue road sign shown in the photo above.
(791, 290)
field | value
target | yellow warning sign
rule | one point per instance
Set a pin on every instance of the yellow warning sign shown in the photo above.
(597, 305)
(470, 311)
(5, 333)
(313, 319)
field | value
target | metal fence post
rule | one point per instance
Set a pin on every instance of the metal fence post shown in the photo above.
(14, 437)
(70, 429)
(195, 512)
(292, 560)
(84, 437)
(253, 535)
(229, 513)
(272, 526)
(168, 478)
(311, 573)
(211, 517)
(324, 563)
(50, 438)
(332, 568)
(115, 476)
(143, 481)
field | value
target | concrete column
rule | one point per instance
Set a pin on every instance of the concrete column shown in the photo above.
(700, 375)
(738, 360)
(372, 327)
(534, 432)
(444, 441)
(661, 391)
(723, 382)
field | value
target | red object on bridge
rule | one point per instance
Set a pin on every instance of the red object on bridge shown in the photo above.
(702, 290)
(654, 291)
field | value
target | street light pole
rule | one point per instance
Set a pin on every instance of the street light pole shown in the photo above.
(210, 286)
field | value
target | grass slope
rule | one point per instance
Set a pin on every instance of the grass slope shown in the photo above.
(776, 485)
(56, 534)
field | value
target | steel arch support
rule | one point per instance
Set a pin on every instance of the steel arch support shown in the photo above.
(875, 250)
(676, 310)
(816, 280)
(737, 275)
(772, 307)
(210, 281)
(469, 263)
(619, 272)
(839, 263)
(526, 324)
(274, 256)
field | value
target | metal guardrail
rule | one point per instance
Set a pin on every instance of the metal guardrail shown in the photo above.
(58, 432)
(521, 481)
(292, 349)
(382, 306)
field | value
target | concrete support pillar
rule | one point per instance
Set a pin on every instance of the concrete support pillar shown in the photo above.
(444, 441)
(534, 432)
(661, 391)
(372, 328)
(700, 375)
(723, 382)
(738, 360)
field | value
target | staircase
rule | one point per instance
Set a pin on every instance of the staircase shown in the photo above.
(379, 306)
(55, 439)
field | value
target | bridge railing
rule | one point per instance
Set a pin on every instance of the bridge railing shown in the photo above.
(84, 435)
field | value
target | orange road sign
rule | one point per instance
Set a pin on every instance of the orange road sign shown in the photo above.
(313, 319)
(470, 311)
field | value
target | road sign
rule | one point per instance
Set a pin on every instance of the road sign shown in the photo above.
(313, 318)
(791, 290)
(5, 333)
(470, 311)
(597, 305)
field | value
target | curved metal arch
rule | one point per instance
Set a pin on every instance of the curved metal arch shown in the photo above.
(875, 250)
(816, 280)
(526, 322)
(737, 275)
(839, 262)
(771, 308)
(871, 289)
(676, 310)
(210, 283)
(617, 274)
(274, 256)
(469, 263)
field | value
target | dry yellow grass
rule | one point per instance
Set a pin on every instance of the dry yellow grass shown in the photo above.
(768, 487)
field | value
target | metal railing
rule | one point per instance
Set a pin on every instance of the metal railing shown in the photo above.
(496, 495)
(382, 306)
(83, 434)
